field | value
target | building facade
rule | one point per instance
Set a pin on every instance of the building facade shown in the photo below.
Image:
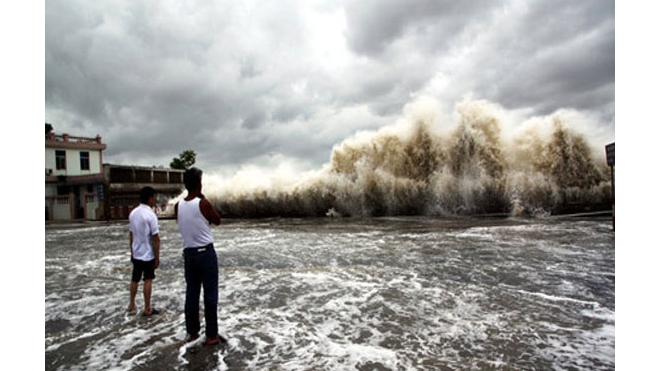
(79, 186)
(74, 177)
(122, 186)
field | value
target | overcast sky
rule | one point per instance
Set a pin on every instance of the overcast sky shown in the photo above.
(266, 83)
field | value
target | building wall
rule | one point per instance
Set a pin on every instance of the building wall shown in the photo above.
(73, 193)
(73, 162)
(51, 190)
(104, 191)
(63, 207)
(123, 184)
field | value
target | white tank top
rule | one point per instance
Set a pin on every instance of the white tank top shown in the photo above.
(195, 229)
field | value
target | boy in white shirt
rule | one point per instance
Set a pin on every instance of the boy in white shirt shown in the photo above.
(145, 248)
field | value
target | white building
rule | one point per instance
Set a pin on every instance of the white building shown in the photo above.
(74, 177)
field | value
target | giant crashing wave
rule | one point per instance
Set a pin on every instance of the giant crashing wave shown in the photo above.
(467, 170)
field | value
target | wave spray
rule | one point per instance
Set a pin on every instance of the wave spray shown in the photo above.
(414, 167)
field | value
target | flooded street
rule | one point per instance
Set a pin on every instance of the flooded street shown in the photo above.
(414, 293)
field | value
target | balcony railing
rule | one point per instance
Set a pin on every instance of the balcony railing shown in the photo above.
(71, 139)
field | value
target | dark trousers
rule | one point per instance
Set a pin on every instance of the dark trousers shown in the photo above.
(201, 270)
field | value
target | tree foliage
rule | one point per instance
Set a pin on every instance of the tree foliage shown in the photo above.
(49, 128)
(185, 160)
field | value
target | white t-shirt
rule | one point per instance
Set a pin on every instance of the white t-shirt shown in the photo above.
(195, 229)
(143, 225)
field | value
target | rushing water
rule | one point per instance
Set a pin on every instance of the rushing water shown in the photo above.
(409, 293)
(423, 167)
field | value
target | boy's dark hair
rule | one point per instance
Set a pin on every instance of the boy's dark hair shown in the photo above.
(192, 178)
(146, 193)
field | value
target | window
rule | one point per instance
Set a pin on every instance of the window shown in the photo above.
(84, 160)
(63, 190)
(60, 160)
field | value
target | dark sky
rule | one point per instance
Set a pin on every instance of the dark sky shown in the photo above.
(276, 84)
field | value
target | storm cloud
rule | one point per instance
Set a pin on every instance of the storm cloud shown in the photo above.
(258, 82)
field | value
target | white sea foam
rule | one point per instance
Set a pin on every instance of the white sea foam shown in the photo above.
(299, 295)
(560, 298)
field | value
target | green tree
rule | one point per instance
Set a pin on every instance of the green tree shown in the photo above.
(185, 160)
(49, 128)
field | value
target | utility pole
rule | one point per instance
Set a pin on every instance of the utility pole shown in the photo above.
(609, 152)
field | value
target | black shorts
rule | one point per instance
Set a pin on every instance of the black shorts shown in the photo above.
(142, 269)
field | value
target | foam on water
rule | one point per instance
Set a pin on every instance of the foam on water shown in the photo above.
(339, 294)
